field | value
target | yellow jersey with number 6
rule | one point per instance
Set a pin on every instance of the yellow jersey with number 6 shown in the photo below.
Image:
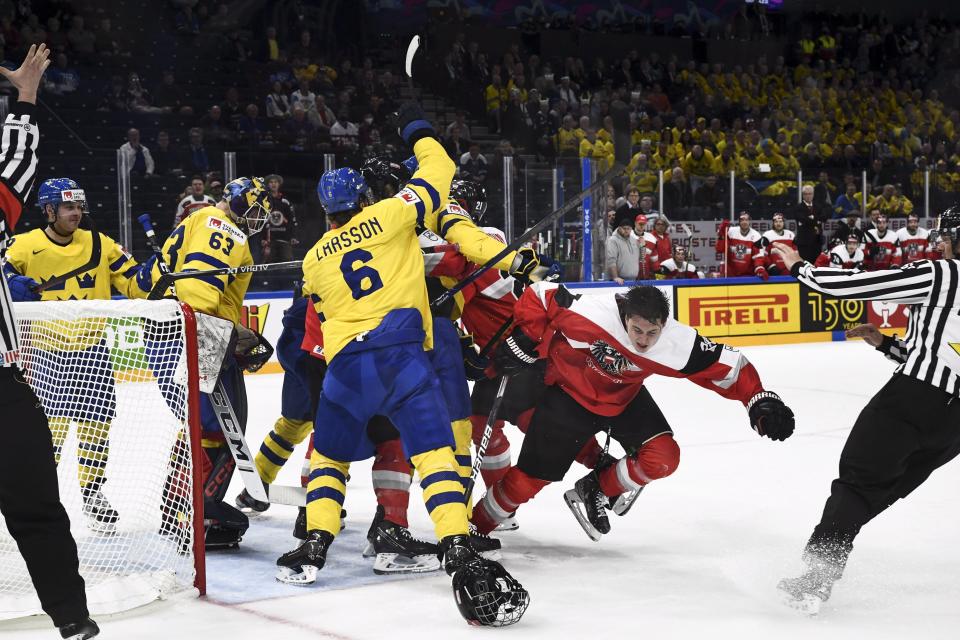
(208, 239)
(372, 265)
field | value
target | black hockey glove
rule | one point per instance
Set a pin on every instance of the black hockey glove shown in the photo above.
(516, 353)
(252, 350)
(769, 416)
(412, 123)
(473, 363)
(529, 266)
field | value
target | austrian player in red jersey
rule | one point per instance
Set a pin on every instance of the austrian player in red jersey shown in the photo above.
(771, 262)
(599, 351)
(740, 248)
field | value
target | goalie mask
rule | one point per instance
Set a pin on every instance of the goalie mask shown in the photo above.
(249, 203)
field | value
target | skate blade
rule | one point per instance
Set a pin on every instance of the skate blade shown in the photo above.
(392, 563)
(307, 575)
(510, 524)
(625, 501)
(369, 551)
(572, 498)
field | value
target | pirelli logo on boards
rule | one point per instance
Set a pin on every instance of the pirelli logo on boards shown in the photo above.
(740, 309)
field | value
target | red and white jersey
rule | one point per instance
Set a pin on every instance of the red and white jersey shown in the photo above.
(770, 259)
(190, 204)
(487, 303)
(915, 246)
(881, 251)
(840, 257)
(670, 270)
(656, 249)
(591, 357)
(743, 251)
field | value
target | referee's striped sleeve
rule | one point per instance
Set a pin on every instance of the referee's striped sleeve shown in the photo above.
(18, 161)
(894, 349)
(912, 284)
(18, 167)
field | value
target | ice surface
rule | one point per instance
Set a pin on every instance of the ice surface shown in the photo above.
(698, 556)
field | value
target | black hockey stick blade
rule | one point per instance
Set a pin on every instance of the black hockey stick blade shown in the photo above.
(95, 253)
(166, 280)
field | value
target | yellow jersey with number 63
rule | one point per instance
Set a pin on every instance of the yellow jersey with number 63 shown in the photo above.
(372, 265)
(208, 239)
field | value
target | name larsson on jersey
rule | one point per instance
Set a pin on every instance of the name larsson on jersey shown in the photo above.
(349, 237)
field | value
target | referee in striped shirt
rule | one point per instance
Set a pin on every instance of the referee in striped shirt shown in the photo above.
(29, 495)
(912, 425)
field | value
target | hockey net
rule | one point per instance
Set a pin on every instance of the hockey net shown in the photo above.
(118, 382)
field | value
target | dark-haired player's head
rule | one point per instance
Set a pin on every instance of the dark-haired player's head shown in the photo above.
(644, 311)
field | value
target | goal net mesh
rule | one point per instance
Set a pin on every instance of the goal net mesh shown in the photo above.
(112, 378)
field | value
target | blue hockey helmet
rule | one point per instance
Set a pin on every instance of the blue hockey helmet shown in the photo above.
(59, 190)
(249, 203)
(341, 190)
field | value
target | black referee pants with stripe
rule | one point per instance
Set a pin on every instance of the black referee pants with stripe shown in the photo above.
(906, 431)
(30, 502)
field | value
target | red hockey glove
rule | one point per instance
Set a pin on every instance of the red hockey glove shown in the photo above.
(762, 273)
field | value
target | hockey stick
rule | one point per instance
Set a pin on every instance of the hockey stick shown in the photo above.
(485, 440)
(166, 280)
(233, 434)
(408, 62)
(95, 253)
(621, 137)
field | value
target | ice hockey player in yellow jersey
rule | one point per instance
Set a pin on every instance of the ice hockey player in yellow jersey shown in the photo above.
(218, 237)
(366, 279)
(69, 352)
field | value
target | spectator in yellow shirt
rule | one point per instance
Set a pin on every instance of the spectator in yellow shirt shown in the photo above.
(892, 204)
(581, 131)
(495, 96)
(642, 174)
(566, 141)
(664, 157)
(728, 161)
(698, 163)
(596, 150)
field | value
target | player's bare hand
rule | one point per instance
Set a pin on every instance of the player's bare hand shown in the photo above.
(27, 78)
(788, 254)
(619, 281)
(870, 334)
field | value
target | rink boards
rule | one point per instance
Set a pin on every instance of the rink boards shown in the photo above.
(736, 311)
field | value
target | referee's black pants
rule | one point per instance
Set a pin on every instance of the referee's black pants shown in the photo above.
(30, 502)
(908, 429)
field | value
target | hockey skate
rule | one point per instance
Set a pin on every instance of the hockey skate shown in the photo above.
(588, 505)
(509, 524)
(487, 547)
(101, 516)
(808, 592)
(250, 505)
(625, 501)
(300, 566)
(396, 551)
(82, 630)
